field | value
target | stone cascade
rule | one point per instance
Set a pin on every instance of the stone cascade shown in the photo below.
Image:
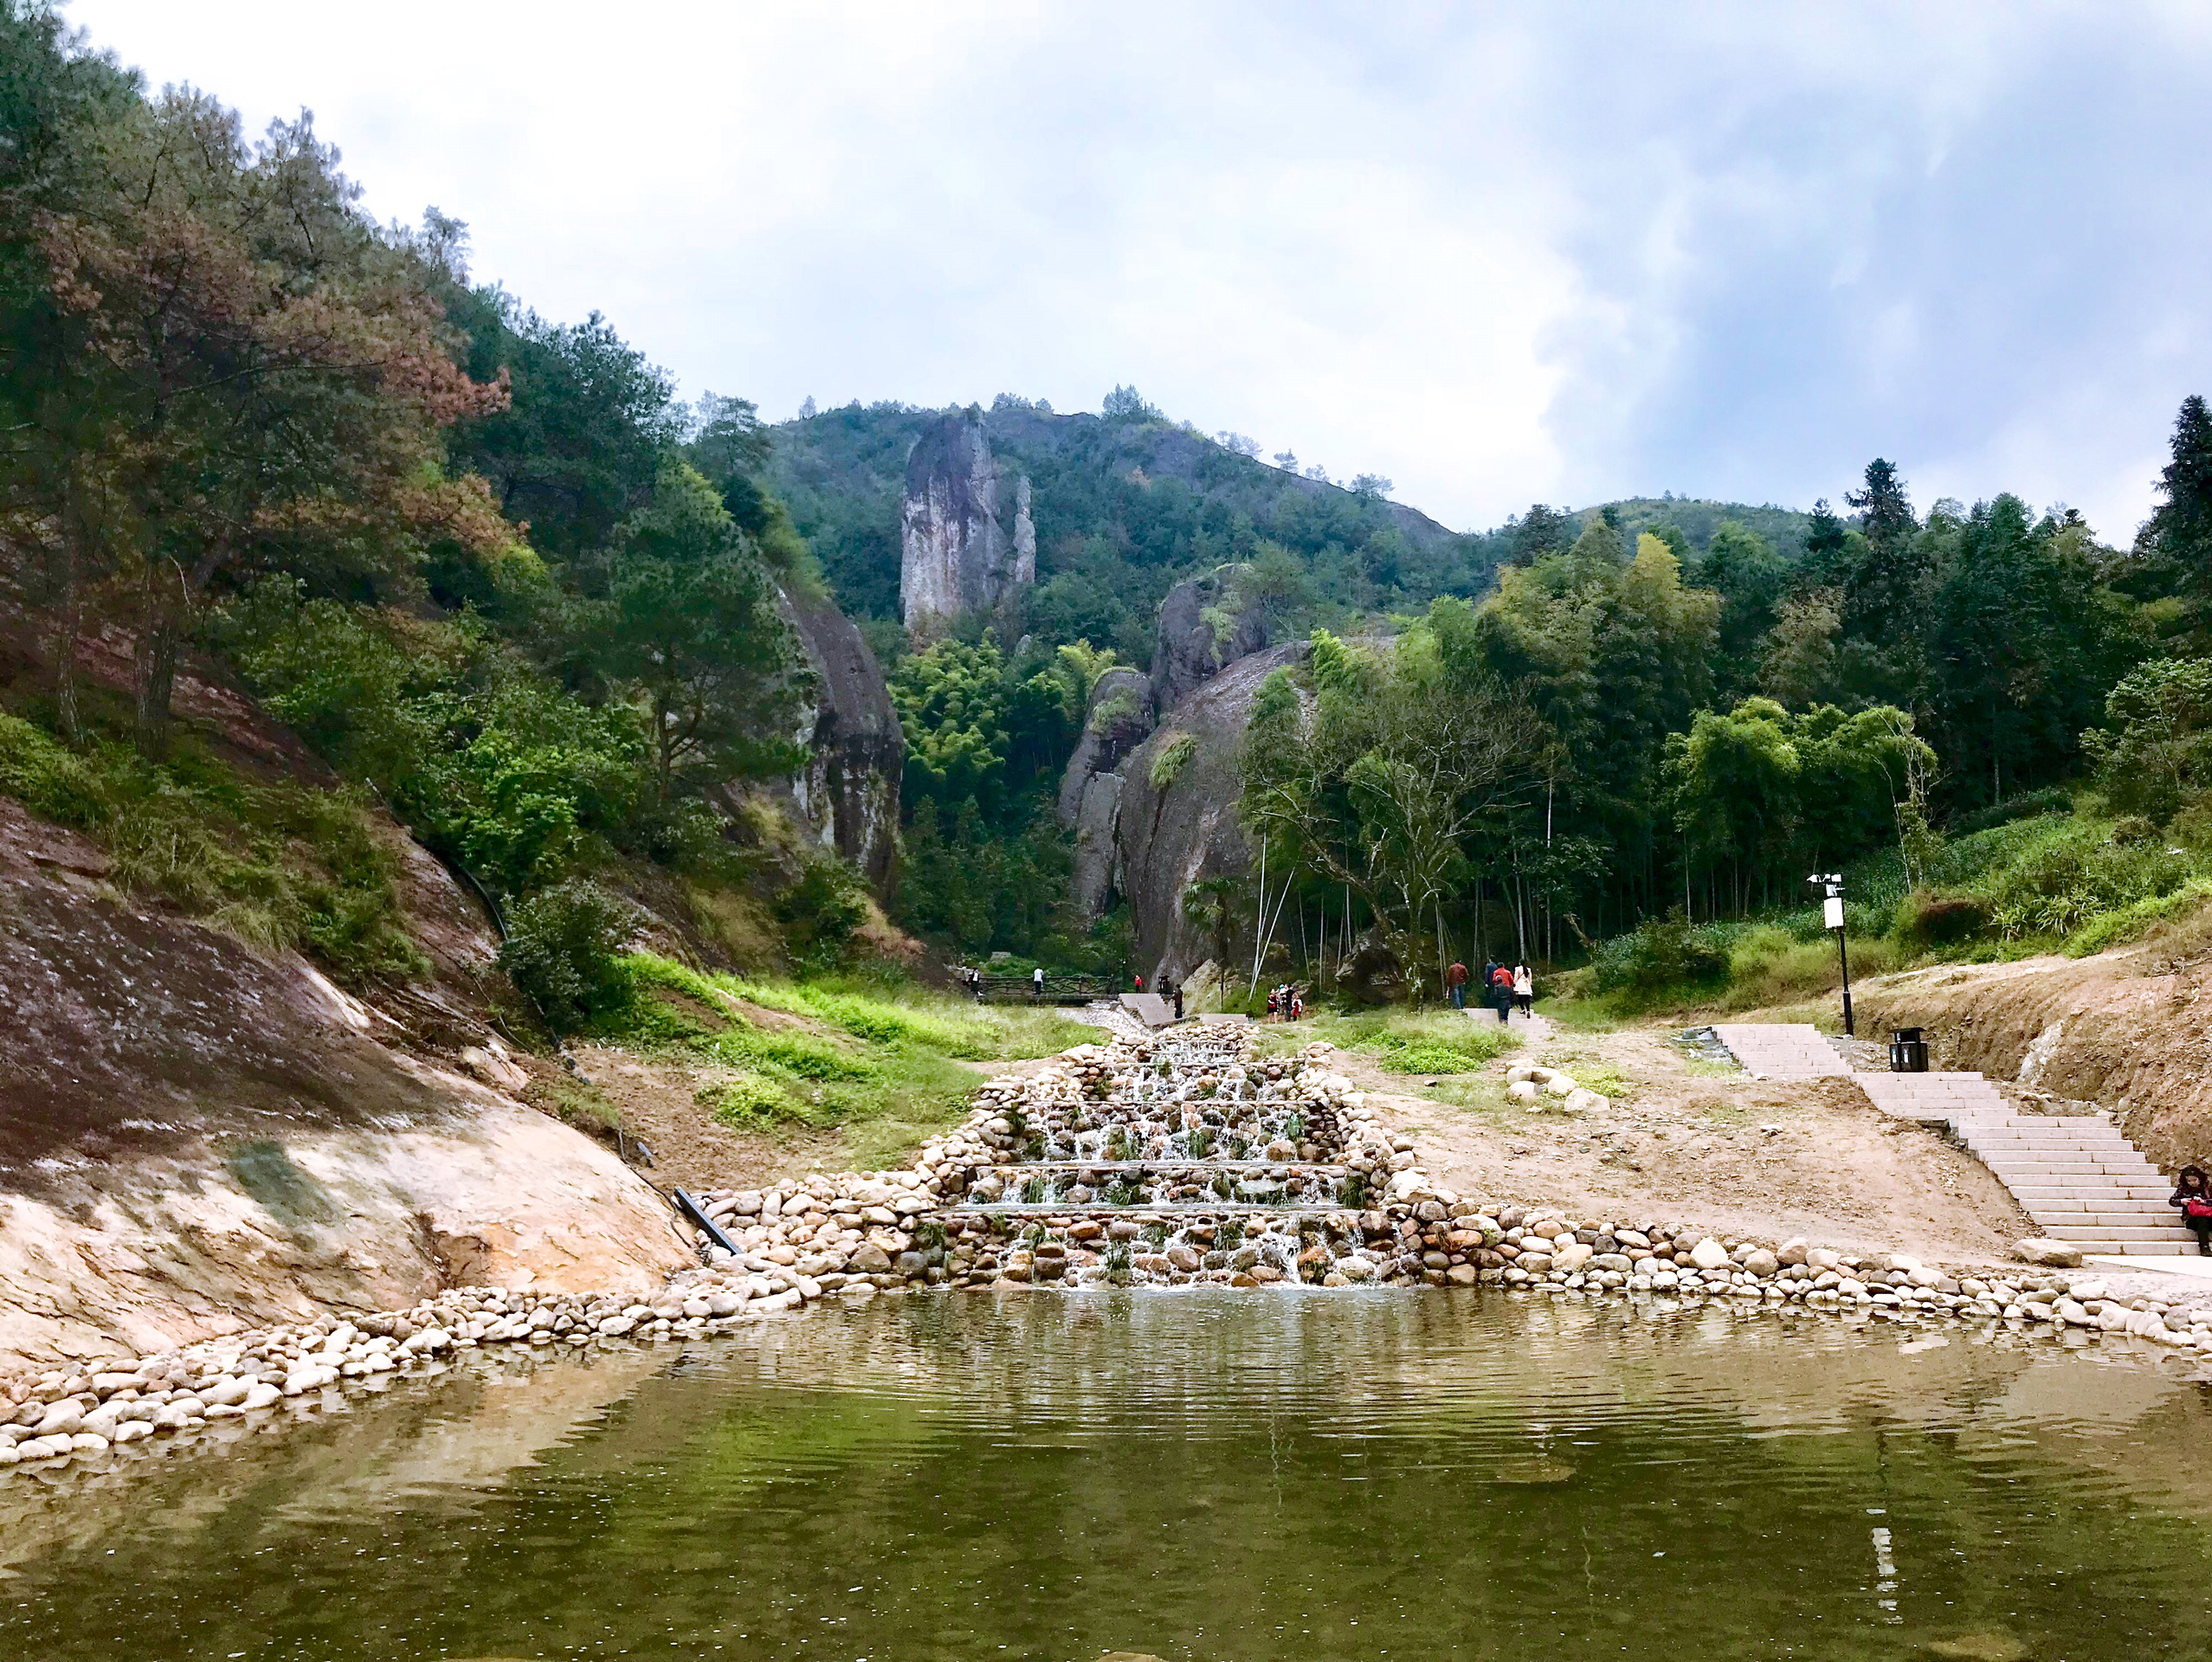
(1174, 1158)
(2079, 1179)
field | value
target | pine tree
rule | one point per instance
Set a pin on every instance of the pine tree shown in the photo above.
(1880, 595)
(2175, 545)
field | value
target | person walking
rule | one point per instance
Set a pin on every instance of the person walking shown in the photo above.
(1501, 992)
(1455, 984)
(1524, 988)
(2193, 1194)
(1175, 991)
(1037, 982)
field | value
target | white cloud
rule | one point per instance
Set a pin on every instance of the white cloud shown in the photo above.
(1537, 253)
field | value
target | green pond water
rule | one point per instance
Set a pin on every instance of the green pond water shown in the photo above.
(1186, 1475)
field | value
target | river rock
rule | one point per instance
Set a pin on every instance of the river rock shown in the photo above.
(2051, 1255)
(1762, 1263)
(1708, 1254)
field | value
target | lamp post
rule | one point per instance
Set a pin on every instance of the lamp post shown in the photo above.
(1832, 915)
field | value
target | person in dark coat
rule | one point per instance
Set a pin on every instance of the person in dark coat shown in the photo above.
(2193, 1194)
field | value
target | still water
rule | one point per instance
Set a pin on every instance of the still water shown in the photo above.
(1191, 1475)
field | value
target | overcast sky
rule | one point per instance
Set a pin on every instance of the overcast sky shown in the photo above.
(1498, 254)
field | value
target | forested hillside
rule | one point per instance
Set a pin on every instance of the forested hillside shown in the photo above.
(484, 564)
(1643, 729)
(516, 596)
(1126, 503)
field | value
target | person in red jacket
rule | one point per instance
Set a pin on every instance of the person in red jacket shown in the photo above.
(1501, 992)
(1455, 984)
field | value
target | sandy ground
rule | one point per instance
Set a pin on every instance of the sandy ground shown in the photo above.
(1692, 1141)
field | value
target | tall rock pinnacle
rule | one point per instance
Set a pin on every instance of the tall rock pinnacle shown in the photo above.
(966, 541)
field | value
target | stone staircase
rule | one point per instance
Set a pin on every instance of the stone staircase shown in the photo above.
(1776, 1050)
(2076, 1176)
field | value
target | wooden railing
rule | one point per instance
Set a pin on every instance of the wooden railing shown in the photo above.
(1056, 989)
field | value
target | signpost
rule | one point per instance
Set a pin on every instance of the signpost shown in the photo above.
(1832, 914)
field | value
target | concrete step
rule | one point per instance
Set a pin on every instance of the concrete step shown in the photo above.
(2036, 1193)
(1775, 1050)
(2115, 1232)
(2103, 1220)
(2104, 1205)
(2134, 1248)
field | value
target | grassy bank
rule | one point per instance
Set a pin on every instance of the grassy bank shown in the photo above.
(1401, 1040)
(886, 1061)
(2056, 882)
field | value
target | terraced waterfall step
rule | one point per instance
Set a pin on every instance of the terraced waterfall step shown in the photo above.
(2077, 1175)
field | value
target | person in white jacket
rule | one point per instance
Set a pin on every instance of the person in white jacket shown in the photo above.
(1523, 988)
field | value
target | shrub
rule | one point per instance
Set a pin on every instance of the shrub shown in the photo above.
(745, 1101)
(2057, 799)
(1171, 759)
(821, 909)
(1930, 918)
(1659, 958)
(278, 865)
(564, 952)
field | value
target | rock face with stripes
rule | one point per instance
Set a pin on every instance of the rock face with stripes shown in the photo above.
(967, 544)
(2075, 1175)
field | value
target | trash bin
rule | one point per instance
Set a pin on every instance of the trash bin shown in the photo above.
(1908, 1050)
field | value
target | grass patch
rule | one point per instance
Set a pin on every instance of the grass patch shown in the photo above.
(280, 866)
(1408, 1042)
(883, 1061)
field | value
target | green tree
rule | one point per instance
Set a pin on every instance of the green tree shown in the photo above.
(2154, 754)
(2174, 548)
(1745, 573)
(690, 618)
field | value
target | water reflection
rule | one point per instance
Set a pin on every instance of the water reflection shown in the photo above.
(1188, 1475)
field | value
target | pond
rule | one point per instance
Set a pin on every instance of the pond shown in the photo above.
(1198, 1474)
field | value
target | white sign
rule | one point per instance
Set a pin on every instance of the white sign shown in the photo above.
(1835, 912)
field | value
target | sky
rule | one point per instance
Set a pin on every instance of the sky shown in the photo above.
(1496, 254)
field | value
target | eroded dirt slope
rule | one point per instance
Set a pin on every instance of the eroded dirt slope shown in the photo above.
(2131, 1030)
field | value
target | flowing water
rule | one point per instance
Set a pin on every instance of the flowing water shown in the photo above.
(1193, 1474)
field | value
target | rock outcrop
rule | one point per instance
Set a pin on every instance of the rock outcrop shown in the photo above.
(966, 539)
(1120, 716)
(846, 796)
(1207, 627)
(196, 1135)
(1176, 821)
(1206, 624)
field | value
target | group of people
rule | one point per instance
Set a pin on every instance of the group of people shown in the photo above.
(1286, 1003)
(1501, 988)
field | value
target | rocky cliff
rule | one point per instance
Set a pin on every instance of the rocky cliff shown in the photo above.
(1206, 624)
(1207, 628)
(846, 796)
(967, 542)
(1175, 822)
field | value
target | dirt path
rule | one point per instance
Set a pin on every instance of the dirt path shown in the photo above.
(1694, 1140)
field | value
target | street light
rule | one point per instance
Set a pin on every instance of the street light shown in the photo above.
(1832, 915)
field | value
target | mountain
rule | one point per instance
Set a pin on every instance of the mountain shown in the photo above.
(1123, 508)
